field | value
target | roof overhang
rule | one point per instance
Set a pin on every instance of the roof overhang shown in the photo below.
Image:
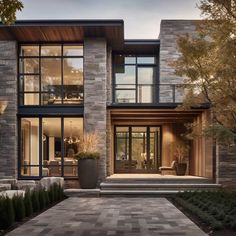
(64, 30)
(141, 46)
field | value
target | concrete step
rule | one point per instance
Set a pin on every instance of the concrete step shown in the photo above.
(155, 186)
(77, 192)
(137, 193)
(160, 180)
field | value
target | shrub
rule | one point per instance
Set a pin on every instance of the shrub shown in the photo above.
(35, 200)
(51, 194)
(7, 215)
(46, 197)
(42, 201)
(19, 207)
(55, 190)
(28, 204)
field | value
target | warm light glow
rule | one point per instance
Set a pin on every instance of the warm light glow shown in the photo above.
(3, 106)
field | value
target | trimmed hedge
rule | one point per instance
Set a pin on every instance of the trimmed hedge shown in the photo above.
(216, 209)
(19, 207)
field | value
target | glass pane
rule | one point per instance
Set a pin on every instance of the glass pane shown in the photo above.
(125, 96)
(122, 149)
(51, 98)
(146, 60)
(31, 99)
(51, 74)
(29, 65)
(127, 76)
(29, 83)
(29, 50)
(145, 75)
(73, 134)
(29, 146)
(73, 80)
(130, 60)
(155, 147)
(139, 148)
(73, 50)
(49, 50)
(29, 170)
(51, 151)
(145, 94)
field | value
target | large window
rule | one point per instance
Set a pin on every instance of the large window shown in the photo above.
(134, 79)
(48, 146)
(51, 74)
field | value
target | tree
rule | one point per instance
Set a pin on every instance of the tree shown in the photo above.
(8, 9)
(208, 61)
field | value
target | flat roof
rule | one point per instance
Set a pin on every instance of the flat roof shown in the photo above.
(64, 30)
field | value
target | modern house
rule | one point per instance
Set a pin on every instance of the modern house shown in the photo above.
(62, 78)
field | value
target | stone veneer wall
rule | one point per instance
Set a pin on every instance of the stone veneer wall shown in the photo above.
(95, 94)
(8, 120)
(169, 32)
(226, 162)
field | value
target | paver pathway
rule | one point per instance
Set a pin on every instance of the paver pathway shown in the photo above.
(111, 216)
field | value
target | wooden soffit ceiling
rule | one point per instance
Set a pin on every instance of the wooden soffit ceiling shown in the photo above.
(153, 115)
(64, 30)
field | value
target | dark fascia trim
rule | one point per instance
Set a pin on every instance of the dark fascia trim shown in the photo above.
(50, 111)
(99, 22)
(142, 41)
(151, 106)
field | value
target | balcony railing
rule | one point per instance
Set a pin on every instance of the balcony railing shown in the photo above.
(150, 93)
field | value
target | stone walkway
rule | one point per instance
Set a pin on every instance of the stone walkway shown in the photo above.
(111, 216)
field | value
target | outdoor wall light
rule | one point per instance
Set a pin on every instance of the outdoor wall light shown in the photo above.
(3, 106)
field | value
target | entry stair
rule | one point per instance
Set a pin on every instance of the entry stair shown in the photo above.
(144, 187)
(141, 187)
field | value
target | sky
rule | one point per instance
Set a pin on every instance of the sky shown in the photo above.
(141, 17)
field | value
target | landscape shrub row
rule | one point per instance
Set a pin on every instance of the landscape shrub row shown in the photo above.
(19, 207)
(216, 209)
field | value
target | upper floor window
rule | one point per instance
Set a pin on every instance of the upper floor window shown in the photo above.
(51, 74)
(134, 79)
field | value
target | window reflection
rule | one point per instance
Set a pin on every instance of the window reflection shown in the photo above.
(134, 79)
(29, 147)
(59, 80)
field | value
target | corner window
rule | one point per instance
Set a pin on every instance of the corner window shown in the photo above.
(51, 74)
(134, 79)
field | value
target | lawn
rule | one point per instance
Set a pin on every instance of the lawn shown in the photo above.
(215, 211)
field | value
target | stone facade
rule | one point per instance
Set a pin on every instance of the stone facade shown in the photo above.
(226, 163)
(170, 30)
(8, 120)
(95, 94)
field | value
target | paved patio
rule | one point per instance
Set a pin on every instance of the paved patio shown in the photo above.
(111, 216)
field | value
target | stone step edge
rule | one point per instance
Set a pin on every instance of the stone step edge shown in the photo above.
(157, 185)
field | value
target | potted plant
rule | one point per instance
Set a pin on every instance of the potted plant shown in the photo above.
(88, 161)
(181, 151)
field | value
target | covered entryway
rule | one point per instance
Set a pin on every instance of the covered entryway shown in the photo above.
(140, 141)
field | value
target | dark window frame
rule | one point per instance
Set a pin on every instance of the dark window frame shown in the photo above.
(148, 127)
(155, 66)
(40, 92)
(40, 165)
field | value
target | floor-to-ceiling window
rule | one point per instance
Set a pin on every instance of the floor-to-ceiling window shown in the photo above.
(51, 100)
(137, 149)
(50, 74)
(134, 79)
(48, 146)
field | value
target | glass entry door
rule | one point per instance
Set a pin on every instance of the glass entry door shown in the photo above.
(137, 149)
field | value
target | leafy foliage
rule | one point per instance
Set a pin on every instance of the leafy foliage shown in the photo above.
(208, 61)
(215, 209)
(8, 9)
(28, 204)
(7, 215)
(19, 207)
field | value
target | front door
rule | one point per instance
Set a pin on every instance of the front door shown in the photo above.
(137, 149)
